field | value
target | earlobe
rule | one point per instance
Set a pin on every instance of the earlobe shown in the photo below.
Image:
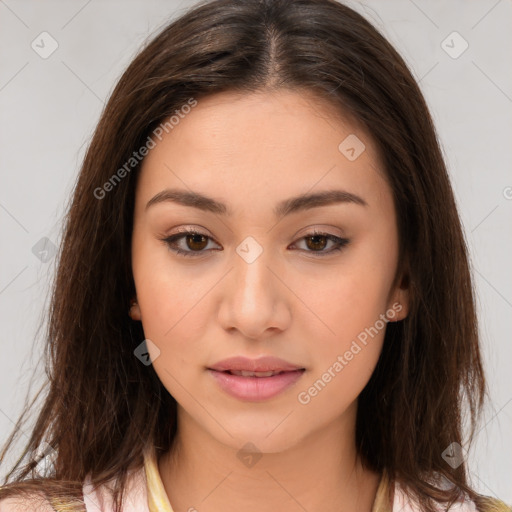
(134, 312)
(398, 307)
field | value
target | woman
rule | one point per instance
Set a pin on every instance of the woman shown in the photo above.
(263, 300)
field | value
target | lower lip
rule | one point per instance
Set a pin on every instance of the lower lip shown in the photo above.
(255, 389)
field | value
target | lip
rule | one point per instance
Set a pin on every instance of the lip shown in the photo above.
(261, 364)
(252, 388)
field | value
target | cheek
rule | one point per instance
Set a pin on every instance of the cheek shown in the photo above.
(170, 299)
(173, 318)
(348, 301)
(345, 356)
(351, 305)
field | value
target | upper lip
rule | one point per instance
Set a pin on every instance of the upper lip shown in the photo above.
(262, 364)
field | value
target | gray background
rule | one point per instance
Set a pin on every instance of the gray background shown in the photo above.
(49, 108)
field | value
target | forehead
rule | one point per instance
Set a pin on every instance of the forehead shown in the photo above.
(263, 147)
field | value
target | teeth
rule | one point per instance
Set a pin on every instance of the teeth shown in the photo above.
(243, 373)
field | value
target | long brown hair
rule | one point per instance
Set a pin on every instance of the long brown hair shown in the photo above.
(103, 408)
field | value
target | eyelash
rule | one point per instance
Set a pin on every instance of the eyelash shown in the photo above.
(171, 243)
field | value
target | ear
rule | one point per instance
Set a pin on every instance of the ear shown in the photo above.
(134, 312)
(398, 304)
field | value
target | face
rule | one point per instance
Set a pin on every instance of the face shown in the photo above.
(263, 275)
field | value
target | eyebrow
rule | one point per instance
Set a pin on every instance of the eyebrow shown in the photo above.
(286, 207)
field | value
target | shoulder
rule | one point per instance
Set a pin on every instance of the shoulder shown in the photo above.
(33, 503)
(401, 502)
(95, 498)
(495, 505)
(98, 499)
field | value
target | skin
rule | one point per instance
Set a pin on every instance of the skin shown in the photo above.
(251, 152)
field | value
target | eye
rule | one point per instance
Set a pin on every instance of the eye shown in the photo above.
(196, 243)
(193, 240)
(317, 241)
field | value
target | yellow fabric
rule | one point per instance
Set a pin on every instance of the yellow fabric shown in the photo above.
(157, 497)
(60, 505)
(381, 503)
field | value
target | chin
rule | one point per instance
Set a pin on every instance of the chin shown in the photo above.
(265, 438)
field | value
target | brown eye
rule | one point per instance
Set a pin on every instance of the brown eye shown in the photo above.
(316, 242)
(193, 243)
(196, 241)
(322, 244)
(188, 243)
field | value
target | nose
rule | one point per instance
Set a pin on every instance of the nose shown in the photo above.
(254, 299)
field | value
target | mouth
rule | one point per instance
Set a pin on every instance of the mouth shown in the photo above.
(252, 386)
(247, 373)
(255, 367)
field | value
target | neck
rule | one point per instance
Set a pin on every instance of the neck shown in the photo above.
(322, 472)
